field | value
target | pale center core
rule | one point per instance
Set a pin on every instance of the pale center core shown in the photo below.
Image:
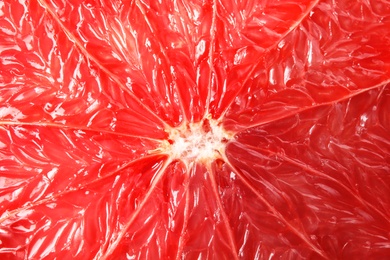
(198, 142)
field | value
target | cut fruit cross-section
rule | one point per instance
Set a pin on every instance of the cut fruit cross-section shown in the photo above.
(213, 129)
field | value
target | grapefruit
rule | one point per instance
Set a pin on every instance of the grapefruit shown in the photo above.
(195, 129)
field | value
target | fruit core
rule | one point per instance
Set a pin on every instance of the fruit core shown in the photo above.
(203, 141)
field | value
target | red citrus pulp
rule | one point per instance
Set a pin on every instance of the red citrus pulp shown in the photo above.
(195, 129)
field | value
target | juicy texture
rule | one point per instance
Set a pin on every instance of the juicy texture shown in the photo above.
(91, 91)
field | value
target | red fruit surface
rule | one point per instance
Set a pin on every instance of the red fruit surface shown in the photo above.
(195, 129)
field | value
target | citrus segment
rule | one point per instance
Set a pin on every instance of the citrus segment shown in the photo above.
(206, 226)
(186, 31)
(264, 230)
(144, 47)
(244, 32)
(260, 23)
(48, 81)
(158, 228)
(47, 162)
(128, 51)
(79, 221)
(315, 172)
(313, 65)
(177, 219)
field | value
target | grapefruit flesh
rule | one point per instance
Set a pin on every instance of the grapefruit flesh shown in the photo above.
(195, 129)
